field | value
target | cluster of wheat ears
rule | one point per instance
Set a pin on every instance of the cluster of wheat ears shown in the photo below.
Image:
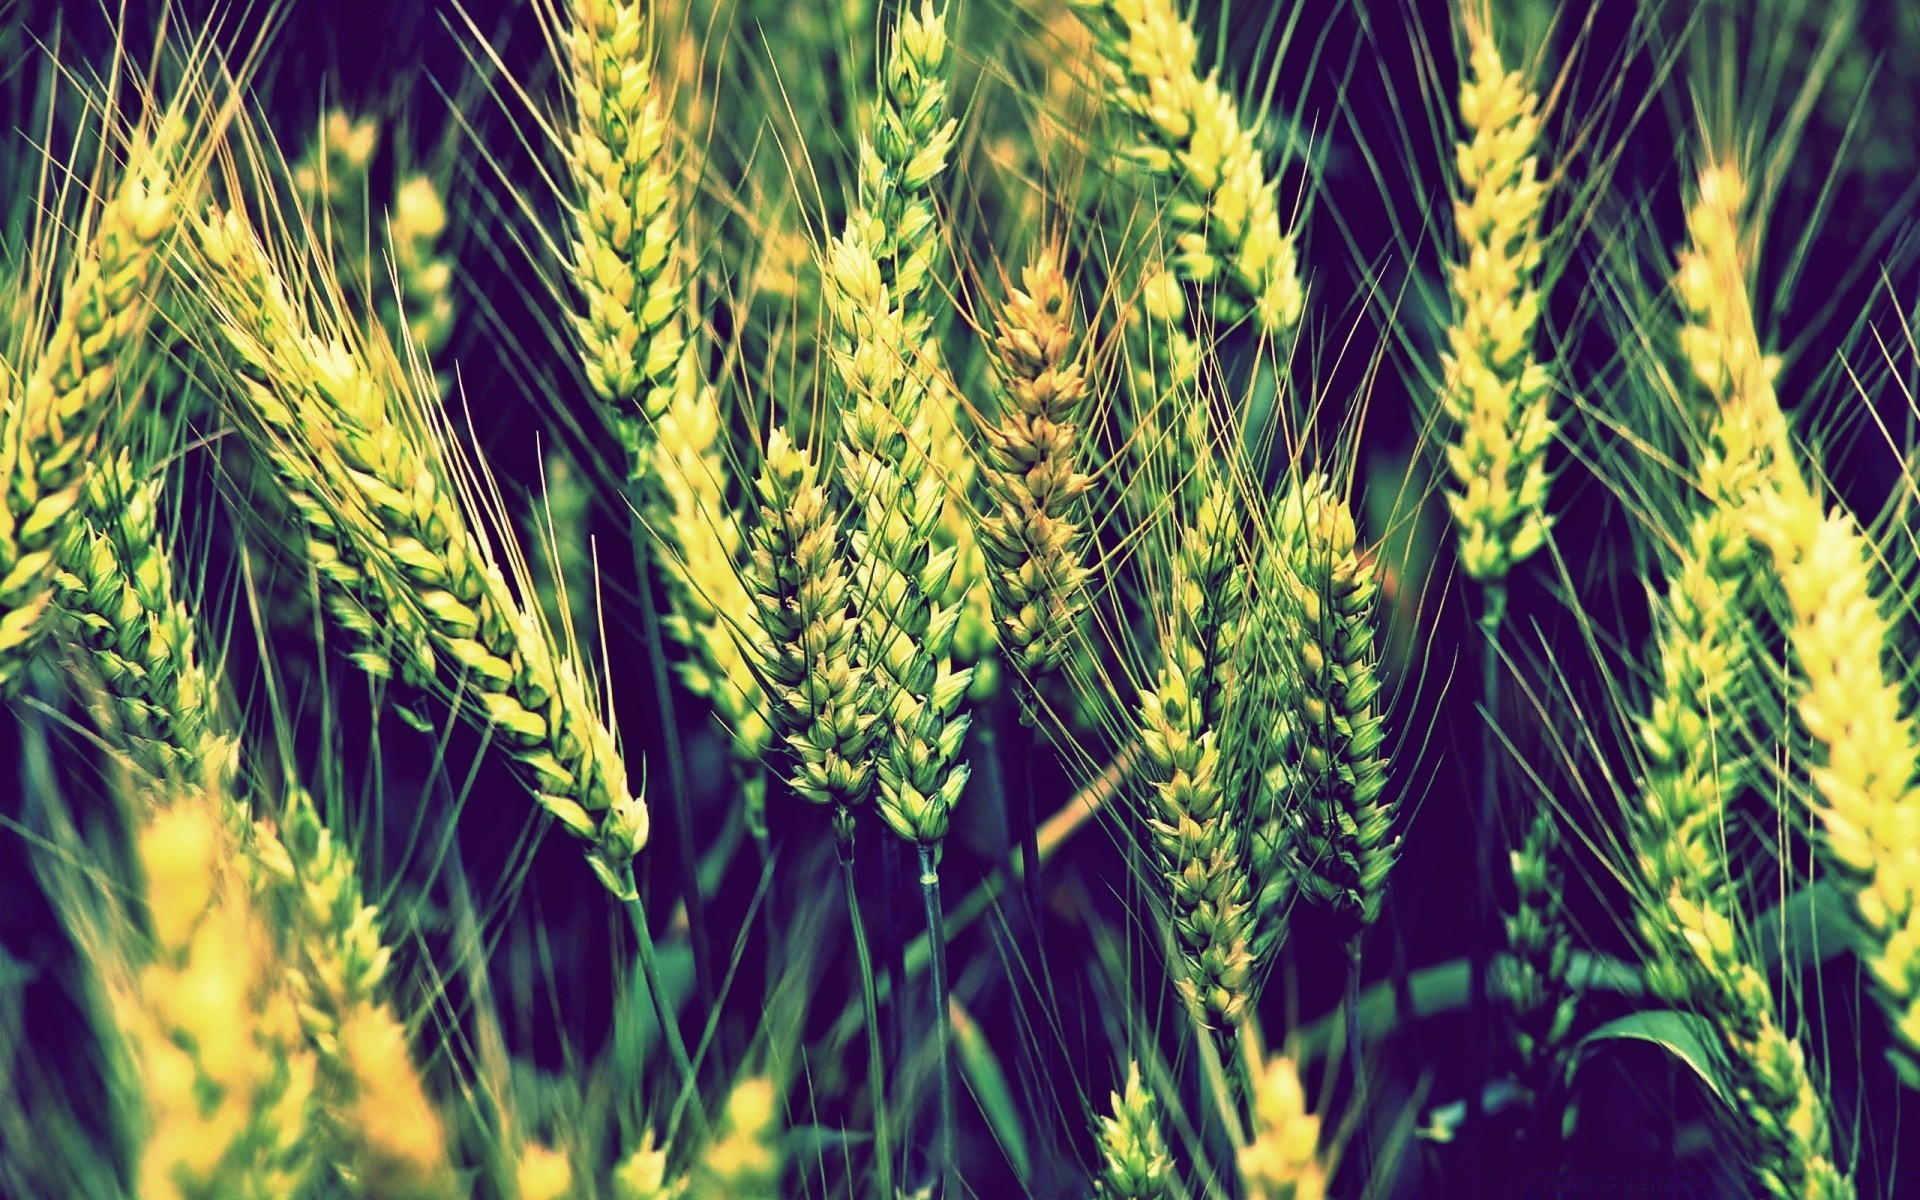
(965, 529)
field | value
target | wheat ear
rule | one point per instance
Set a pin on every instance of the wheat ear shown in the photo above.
(1194, 821)
(1869, 802)
(626, 221)
(1031, 528)
(1281, 1161)
(1221, 207)
(409, 528)
(1693, 765)
(810, 627)
(875, 276)
(114, 580)
(689, 511)
(1494, 391)
(50, 418)
(1134, 1162)
(224, 1069)
(387, 1139)
(1345, 841)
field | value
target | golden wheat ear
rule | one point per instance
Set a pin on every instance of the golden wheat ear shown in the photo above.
(50, 418)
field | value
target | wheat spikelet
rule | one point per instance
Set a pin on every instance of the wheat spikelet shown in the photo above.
(806, 612)
(448, 600)
(626, 223)
(1134, 1163)
(1030, 529)
(1221, 207)
(50, 418)
(1194, 821)
(1494, 391)
(876, 277)
(114, 581)
(543, 1173)
(1344, 840)
(225, 1073)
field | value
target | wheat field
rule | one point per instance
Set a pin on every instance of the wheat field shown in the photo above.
(704, 599)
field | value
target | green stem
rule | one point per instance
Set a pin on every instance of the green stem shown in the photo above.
(669, 1024)
(876, 1062)
(1487, 829)
(1356, 1061)
(678, 797)
(937, 941)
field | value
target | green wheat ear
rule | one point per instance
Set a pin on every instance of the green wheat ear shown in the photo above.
(1345, 841)
(1134, 1162)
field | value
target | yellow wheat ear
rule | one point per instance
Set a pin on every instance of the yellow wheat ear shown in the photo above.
(1494, 390)
(1868, 777)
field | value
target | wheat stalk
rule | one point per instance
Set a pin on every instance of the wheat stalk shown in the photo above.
(50, 416)
(446, 596)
